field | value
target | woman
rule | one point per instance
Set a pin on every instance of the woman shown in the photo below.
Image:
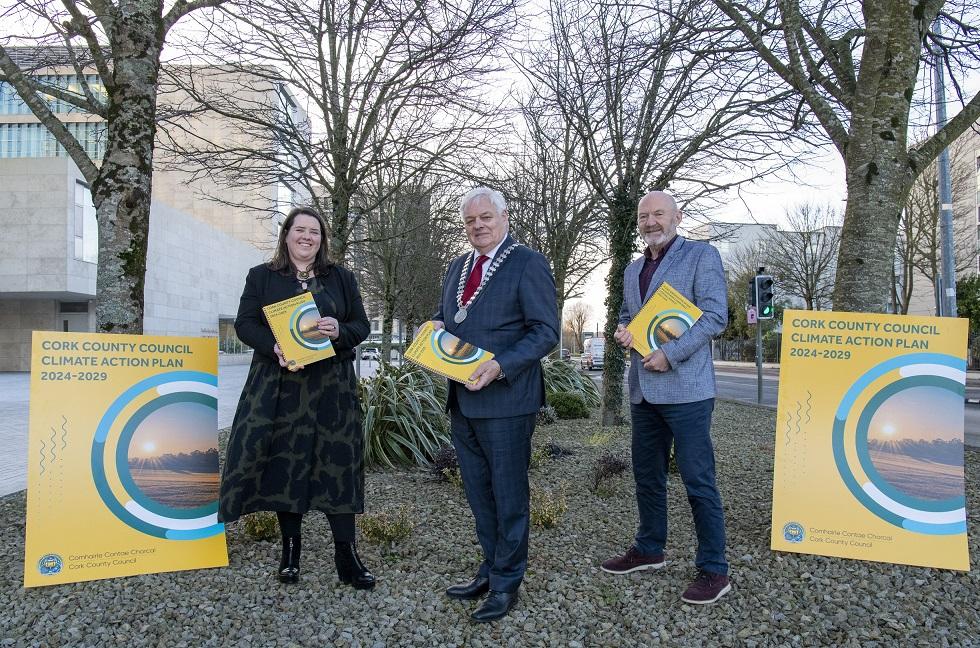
(296, 443)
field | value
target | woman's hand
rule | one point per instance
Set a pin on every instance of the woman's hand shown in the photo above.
(282, 359)
(329, 326)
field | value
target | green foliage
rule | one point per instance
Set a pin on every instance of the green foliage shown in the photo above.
(968, 301)
(598, 439)
(404, 416)
(539, 456)
(562, 376)
(261, 525)
(606, 468)
(547, 508)
(569, 405)
(387, 528)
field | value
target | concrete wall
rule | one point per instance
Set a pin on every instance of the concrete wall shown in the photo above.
(37, 197)
(195, 274)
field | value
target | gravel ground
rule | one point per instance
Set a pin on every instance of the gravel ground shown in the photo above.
(779, 599)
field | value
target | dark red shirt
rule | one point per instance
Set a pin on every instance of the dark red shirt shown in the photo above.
(650, 266)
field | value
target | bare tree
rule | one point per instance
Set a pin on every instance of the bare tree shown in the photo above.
(801, 258)
(856, 67)
(577, 316)
(380, 82)
(658, 96)
(552, 206)
(406, 242)
(122, 42)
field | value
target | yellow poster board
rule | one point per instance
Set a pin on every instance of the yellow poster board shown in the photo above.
(293, 323)
(443, 353)
(666, 316)
(122, 457)
(869, 438)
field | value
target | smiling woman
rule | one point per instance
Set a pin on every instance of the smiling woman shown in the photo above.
(296, 443)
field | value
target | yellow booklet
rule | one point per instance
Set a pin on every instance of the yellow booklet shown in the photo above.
(293, 322)
(445, 354)
(665, 317)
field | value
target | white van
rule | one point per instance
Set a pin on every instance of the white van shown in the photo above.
(593, 353)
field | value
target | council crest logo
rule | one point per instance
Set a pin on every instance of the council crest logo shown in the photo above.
(793, 532)
(49, 564)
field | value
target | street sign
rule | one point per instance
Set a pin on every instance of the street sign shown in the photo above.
(751, 315)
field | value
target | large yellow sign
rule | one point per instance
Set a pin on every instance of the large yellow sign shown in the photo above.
(123, 457)
(869, 438)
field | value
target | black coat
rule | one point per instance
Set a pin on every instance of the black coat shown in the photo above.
(296, 443)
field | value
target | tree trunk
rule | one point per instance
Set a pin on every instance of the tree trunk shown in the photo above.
(870, 230)
(622, 234)
(122, 190)
(387, 322)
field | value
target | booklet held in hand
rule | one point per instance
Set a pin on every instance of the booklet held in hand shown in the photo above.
(293, 323)
(665, 317)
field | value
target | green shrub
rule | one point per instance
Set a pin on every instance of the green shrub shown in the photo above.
(261, 525)
(560, 376)
(386, 528)
(404, 416)
(539, 456)
(547, 508)
(569, 405)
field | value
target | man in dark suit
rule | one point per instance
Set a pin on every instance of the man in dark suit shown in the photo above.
(500, 297)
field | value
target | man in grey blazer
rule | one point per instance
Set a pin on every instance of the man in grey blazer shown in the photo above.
(500, 297)
(672, 394)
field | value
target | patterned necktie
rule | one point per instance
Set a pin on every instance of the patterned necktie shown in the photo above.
(476, 276)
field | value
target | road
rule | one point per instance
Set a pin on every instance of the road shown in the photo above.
(738, 383)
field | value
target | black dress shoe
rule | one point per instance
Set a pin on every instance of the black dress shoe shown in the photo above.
(495, 606)
(350, 569)
(468, 591)
(289, 563)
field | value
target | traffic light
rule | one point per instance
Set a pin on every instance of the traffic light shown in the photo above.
(762, 296)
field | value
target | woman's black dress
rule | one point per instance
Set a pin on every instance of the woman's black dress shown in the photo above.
(296, 443)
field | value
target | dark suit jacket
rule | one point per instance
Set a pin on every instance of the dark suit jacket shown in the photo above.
(516, 318)
(338, 297)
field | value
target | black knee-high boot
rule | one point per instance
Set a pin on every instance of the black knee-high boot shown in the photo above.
(290, 524)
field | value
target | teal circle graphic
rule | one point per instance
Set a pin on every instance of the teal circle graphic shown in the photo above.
(674, 321)
(876, 494)
(438, 344)
(302, 311)
(143, 513)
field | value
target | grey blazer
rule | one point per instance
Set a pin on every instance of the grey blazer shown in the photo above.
(694, 269)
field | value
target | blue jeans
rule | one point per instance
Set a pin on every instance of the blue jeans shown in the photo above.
(688, 425)
(494, 454)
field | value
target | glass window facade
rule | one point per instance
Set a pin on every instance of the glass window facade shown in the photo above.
(85, 225)
(32, 140)
(12, 104)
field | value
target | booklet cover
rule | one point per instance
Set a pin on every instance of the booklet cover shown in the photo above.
(445, 354)
(293, 322)
(665, 317)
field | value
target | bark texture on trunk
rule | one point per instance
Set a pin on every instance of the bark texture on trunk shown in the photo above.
(122, 190)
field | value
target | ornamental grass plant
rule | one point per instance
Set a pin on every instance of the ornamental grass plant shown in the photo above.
(404, 416)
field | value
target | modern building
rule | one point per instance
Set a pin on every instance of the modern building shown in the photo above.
(198, 252)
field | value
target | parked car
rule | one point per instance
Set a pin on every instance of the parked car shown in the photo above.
(593, 354)
(566, 354)
(371, 354)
